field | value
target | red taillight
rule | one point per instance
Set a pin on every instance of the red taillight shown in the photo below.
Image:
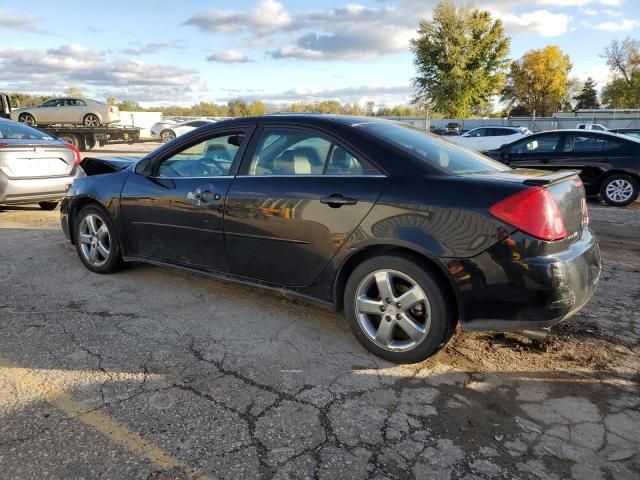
(534, 211)
(110, 109)
(78, 158)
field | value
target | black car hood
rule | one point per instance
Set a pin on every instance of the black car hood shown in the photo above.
(99, 166)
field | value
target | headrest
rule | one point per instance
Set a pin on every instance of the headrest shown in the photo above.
(292, 162)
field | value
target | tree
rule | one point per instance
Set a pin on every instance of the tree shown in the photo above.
(623, 59)
(588, 97)
(73, 91)
(129, 106)
(112, 101)
(539, 81)
(461, 57)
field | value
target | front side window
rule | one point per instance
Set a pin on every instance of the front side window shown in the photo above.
(52, 103)
(209, 158)
(540, 144)
(478, 132)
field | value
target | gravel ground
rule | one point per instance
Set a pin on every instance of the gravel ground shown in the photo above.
(154, 373)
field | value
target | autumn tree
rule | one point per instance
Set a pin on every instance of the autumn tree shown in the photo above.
(461, 57)
(623, 59)
(73, 91)
(539, 81)
(588, 97)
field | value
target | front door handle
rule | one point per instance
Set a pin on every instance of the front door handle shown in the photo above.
(336, 200)
(201, 197)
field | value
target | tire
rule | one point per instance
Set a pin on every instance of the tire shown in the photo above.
(90, 239)
(432, 316)
(27, 118)
(91, 120)
(620, 189)
(71, 138)
(48, 206)
(167, 135)
(91, 143)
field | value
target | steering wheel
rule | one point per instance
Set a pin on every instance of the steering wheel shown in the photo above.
(203, 168)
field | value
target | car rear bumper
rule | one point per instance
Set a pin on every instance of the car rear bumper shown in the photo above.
(500, 291)
(15, 191)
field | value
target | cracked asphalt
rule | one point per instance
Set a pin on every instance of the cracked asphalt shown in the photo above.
(154, 373)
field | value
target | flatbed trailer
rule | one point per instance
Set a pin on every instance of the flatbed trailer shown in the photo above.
(85, 138)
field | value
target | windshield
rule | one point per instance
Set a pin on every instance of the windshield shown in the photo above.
(435, 151)
(18, 131)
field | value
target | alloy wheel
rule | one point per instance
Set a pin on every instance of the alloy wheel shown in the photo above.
(27, 120)
(95, 240)
(393, 310)
(619, 190)
(91, 121)
(167, 136)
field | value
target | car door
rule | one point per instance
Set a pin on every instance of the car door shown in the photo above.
(48, 112)
(592, 153)
(173, 209)
(535, 151)
(474, 138)
(299, 195)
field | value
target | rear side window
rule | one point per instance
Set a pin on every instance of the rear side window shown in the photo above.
(588, 143)
(540, 144)
(479, 132)
(292, 151)
(434, 151)
(502, 132)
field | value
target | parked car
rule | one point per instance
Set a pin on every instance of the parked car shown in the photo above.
(68, 110)
(483, 139)
(592, 126)
(35, 167)
(632, 132)
(169, 130)
(405, 232)
(609, 163)
(452, 128)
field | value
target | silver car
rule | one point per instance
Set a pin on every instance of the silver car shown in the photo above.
(34, 166)
(68, 110)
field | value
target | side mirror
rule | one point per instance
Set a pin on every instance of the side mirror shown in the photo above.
(143, 167)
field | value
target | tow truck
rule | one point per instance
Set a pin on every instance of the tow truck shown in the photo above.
(83, 138)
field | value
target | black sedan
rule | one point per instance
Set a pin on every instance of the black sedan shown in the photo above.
(609, 164)
(405, 232)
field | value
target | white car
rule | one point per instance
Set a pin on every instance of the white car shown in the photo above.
(167, 130)
(592, 126)
(68, 110)
(484, 139)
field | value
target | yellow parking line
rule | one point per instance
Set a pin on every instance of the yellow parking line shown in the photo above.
(97, 420)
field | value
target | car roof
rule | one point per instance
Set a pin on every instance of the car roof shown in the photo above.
(604, 133)
(318, 119)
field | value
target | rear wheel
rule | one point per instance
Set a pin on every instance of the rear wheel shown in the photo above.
(620, 189)
(91, 120)
(48, 205)
(71, 138)
(397, 309)
(27, 118)
(96, 242)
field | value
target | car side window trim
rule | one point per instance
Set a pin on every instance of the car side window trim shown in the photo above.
(243, 170)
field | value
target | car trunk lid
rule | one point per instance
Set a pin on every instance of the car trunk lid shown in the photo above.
(25, 160)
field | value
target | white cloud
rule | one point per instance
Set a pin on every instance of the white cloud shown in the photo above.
(542, 22)
(229, 56)
(37, 70)
(268, 16)
(624, 25)
(20, 22)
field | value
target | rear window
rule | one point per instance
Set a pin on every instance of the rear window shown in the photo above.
(433, 150)
(18, 131)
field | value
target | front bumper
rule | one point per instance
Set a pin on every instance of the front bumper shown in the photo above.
(17, 191)
(501, 290)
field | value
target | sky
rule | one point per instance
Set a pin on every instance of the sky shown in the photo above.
(160, 52)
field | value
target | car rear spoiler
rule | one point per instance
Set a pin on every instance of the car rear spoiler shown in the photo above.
(551, 178)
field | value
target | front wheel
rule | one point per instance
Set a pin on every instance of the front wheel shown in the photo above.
(167, 135)
(620, 189)
(397, 309)
(96, 241)
(27, 119)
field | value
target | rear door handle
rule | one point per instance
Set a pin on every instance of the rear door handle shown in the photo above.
(337, 200)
